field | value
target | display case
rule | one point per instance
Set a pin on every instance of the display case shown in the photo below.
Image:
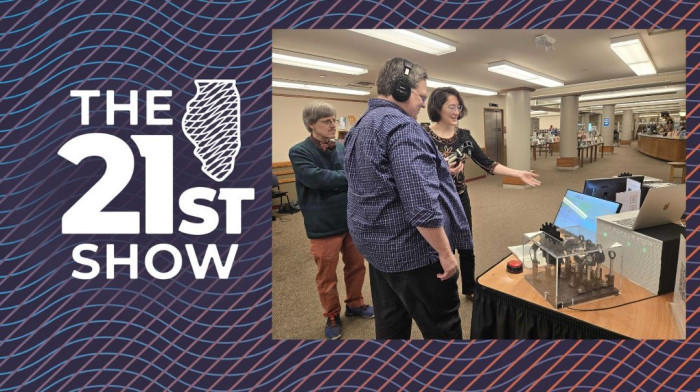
(567, 269)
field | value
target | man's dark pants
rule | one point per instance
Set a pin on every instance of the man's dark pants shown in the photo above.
(419, 295)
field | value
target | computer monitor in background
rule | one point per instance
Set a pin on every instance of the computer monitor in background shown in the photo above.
(581, 211)
(606, 188)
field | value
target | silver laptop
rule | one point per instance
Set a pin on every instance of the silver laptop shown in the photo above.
(661, 206)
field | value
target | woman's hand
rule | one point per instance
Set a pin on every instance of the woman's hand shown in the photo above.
(529, 178)
(456, 167)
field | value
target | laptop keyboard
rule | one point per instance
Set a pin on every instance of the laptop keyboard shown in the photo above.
(628, 223)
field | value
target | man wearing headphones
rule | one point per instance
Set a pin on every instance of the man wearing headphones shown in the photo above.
(403, 210)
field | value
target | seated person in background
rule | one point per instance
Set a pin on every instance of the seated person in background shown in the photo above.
(322, 188)
(445, 109)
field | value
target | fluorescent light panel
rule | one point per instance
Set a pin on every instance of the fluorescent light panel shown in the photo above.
(616, 94)
(315, 62)
(515, 71)
(654, 112)
(632, 51)
(434, 83)
(413, 39)
(645, 103)
(633, 93)
(316, 87)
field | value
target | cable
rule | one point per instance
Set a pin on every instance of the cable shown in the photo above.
(280, 218)
(612, 307)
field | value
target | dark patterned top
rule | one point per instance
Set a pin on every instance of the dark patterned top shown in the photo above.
(448, 146)
(397, 181)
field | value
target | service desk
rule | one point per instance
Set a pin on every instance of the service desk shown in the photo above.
(661, 147)
(506, 306)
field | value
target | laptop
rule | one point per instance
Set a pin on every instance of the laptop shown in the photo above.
(661, 206)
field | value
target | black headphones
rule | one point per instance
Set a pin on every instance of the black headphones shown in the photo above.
(401, 88)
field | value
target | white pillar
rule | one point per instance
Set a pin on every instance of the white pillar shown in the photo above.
(627, 126)
(607, 130)
(568, 151)
(517, 122)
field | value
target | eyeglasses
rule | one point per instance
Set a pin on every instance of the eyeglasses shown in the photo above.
(453, 108)
(328, 122)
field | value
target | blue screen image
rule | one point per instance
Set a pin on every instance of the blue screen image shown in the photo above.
(579, 210)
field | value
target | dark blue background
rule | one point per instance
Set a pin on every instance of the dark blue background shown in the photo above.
(60, 333)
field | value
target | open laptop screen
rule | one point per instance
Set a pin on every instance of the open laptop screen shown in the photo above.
(579, 210)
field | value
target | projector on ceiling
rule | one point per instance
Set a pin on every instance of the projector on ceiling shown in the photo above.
(545, 41)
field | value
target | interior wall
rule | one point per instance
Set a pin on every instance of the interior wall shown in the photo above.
(287, 126)
(288, 129)
(546, 121)
(474, 120)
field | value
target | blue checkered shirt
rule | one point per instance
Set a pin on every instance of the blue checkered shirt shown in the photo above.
(397, 181)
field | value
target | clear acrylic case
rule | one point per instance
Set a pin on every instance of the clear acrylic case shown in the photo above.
(571, 270)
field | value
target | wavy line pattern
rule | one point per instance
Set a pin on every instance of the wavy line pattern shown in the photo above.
(61, 333)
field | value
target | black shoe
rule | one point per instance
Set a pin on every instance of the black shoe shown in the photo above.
(364, 311)
(332, 331)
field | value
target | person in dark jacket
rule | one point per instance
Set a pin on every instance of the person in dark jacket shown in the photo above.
(322, 190)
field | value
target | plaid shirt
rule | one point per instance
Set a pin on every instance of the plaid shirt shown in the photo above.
(397, 181)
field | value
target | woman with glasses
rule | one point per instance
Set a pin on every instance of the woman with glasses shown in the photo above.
(445, 109)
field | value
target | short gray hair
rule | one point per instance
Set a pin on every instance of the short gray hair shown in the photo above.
(315, 110)
(393, 69)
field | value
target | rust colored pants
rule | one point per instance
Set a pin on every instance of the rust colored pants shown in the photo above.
(326, 254)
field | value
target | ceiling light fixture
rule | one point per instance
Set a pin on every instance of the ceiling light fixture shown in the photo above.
(515, 71)
(632, 51)
(672, 106)
(315, 62)
(316, 87)
(413, 39)
(633, 93)
(645, 103)
(651, 112)
(434, 83)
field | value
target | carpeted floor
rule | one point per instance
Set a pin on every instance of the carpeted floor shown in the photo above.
(500, 216)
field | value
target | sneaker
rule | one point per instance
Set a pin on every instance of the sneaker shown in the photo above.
(365, 311)
(332, 331)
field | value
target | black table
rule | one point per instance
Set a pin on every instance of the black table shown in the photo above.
(506, 306)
